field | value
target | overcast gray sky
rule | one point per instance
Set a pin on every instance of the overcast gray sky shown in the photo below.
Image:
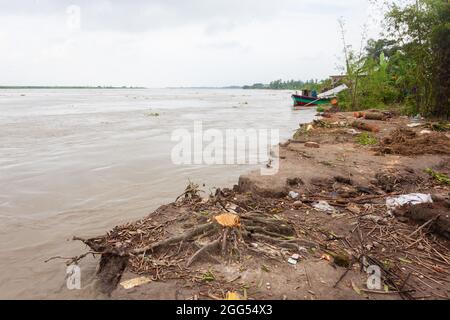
(158, 43)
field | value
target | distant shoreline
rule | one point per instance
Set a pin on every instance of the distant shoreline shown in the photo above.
(67, 87)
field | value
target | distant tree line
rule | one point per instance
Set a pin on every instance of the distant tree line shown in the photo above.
(312, 84)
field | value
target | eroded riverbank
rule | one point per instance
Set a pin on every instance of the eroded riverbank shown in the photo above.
(308, 232)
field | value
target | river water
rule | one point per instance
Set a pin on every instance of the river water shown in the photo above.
(78, 162)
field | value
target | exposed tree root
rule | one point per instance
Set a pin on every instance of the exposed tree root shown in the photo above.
(159, 255)
(109, 273)
(202, 229)
(206, 249)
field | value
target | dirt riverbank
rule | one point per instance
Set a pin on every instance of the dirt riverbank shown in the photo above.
(311, 231)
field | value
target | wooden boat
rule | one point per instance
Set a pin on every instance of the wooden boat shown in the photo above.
(307, 101)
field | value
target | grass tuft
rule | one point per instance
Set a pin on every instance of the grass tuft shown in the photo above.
(366, 139)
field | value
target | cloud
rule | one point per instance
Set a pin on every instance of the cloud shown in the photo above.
(169, 42)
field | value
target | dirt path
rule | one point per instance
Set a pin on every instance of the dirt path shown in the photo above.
(312, 231)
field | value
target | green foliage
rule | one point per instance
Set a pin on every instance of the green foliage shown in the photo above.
(409, 66)
(366, 139)
(440, 177)
(208, 276)
(312, 84)
(320, 109)
(439, 126)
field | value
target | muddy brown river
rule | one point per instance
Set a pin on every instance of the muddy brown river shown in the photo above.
(78, 162)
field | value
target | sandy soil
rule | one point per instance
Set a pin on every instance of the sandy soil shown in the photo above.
(186, 253)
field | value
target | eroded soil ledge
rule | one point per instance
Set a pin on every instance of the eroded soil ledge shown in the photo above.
(184, 252)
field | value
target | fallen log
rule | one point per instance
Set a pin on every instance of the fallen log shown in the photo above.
(375, 116)
(365, 126)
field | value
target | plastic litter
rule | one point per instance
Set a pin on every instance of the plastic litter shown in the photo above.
(412, 199)
(353, 132)
(323, 206)
(294, 259)
(293, 194)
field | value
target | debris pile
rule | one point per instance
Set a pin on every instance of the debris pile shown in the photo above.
(335, 206)
(407, 142)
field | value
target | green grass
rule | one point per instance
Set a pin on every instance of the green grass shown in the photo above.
(320, 109)
(440, 177)
(366, 139)
(208, 276)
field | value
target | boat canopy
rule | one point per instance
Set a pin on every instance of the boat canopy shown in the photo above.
(332, 92)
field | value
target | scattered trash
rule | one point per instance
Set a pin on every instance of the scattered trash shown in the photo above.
(292, 261)
(326, 257)
(311, 144)
(293, 194)
(412, 198)
(128, 284)
(425, 131)
(295, 256)
(231, 206)
(268, 287)
(413, 125)
(228, 220)
(353, 132)
(323, 206)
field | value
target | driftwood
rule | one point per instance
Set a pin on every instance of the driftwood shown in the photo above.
(365, 126)
(429, 215)
(375, 116)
